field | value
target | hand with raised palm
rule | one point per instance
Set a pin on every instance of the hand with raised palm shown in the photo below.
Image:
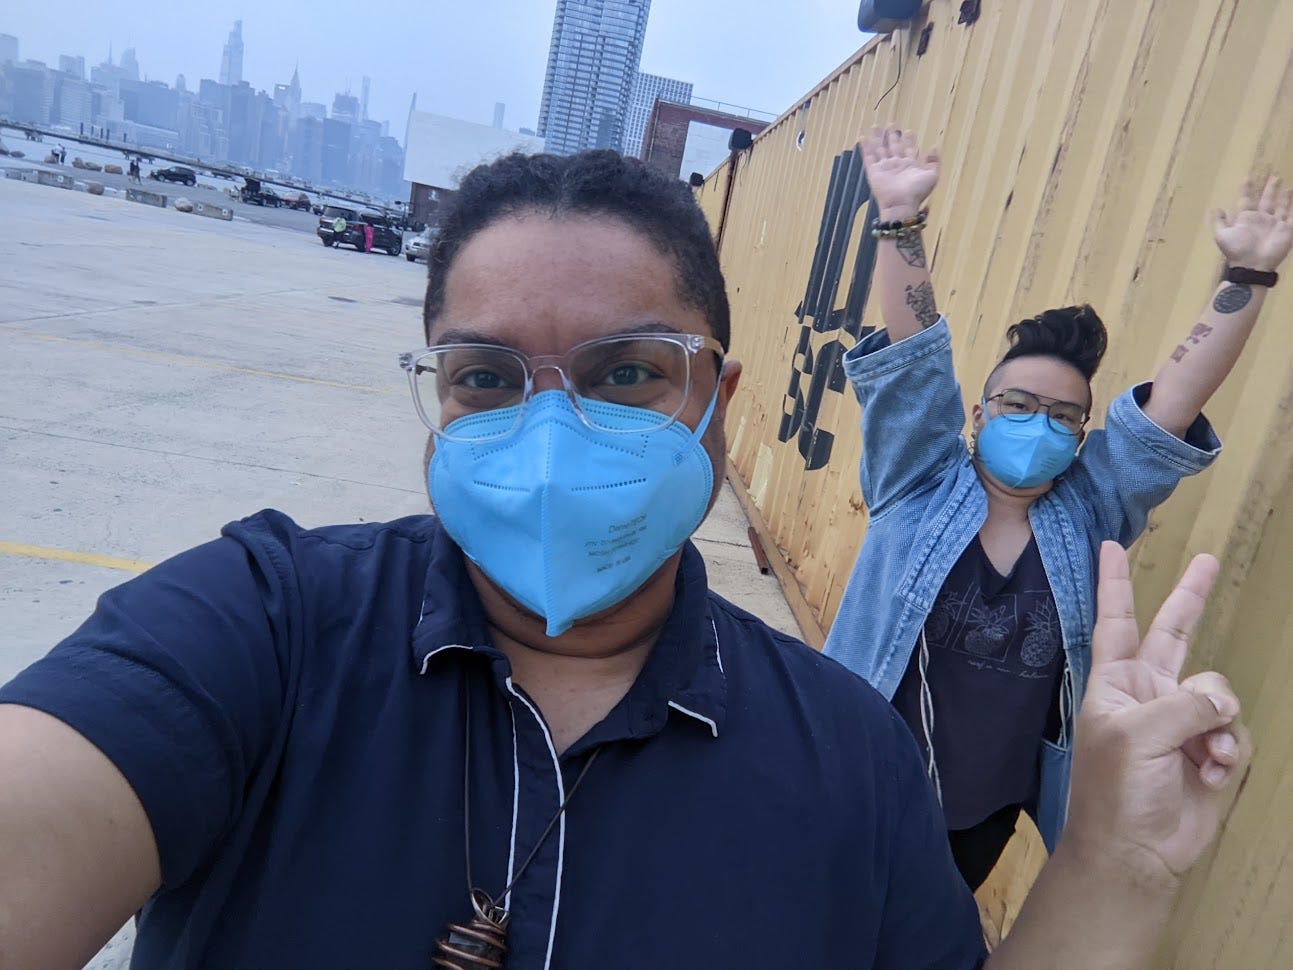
(1153, 754)
(900, 177)
(1259, 234)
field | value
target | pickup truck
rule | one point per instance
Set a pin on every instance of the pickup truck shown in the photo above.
(253, 193)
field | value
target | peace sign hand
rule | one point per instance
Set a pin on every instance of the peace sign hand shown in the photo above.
(1153, 754)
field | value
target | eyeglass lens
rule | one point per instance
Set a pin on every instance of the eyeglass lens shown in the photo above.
(641, 372)
(1063, 415)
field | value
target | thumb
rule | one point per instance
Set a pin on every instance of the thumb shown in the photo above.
(1164, 724)
(1222, 219)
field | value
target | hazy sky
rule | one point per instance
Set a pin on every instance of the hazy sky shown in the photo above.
(460, 57)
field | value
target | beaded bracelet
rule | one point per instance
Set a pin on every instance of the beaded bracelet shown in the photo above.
(900, 227)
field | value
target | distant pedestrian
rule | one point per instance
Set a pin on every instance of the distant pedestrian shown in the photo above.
(368, 237)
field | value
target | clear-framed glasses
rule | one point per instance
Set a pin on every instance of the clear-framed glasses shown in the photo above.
(1063, 416)
(653, 372)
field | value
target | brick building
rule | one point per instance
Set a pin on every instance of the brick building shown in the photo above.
(685, 138)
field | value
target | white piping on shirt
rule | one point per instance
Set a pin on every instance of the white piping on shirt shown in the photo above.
(700, 717)
(561, 824)
(516, 774)
(718, 649)
(516, 802)
(449, 646)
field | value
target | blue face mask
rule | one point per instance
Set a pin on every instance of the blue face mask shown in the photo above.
(1025, 453)
(566, 519)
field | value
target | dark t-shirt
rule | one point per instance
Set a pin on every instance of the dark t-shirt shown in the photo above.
(995, 660)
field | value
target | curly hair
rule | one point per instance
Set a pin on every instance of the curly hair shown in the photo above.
(1074, 335)
(589, 183)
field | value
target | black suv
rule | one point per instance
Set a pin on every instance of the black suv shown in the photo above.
(342, 226)
(176, 173)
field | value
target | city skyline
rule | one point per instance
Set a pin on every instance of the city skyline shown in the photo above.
(224, 122)
(459, 60)
(83, 66)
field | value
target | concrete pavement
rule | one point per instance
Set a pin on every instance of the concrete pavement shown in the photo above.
(162, 374)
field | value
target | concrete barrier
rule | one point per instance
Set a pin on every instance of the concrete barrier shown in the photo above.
(146, 197)
(21, 174)
(57, 179)
(213, 211)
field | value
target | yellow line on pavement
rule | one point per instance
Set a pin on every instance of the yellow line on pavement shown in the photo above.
(199, 362)
(72, 555)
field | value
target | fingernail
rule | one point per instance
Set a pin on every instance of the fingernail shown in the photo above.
(1214, 775)
(1222, 704)
(1225, 745)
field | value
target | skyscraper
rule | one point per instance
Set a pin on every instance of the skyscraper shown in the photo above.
(8, 48)
(74, 66)
(129, 65)
(231, 59)
(592, 64)
(647, 88)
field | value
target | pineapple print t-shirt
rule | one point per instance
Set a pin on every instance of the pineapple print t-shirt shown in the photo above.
(995, 661)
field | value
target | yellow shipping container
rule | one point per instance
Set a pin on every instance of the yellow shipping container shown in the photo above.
(1085, 144)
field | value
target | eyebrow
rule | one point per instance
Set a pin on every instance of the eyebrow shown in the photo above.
(466, 335)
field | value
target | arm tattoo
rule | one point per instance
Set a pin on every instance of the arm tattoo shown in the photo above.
(1233, 298)
(921, 300)
(1196, 336)
(912, 250)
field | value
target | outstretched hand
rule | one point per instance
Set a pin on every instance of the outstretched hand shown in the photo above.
(1154, 754)
(900, 177)
(1259, 234)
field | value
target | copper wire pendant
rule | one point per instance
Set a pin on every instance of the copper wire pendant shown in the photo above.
(481, 944)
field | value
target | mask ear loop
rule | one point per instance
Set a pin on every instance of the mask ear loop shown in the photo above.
(681, 453)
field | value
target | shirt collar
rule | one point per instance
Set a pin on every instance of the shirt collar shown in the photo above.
(683, 676)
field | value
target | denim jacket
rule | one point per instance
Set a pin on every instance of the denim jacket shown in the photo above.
(926, 504)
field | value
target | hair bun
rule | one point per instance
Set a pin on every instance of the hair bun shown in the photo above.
(1073, 334)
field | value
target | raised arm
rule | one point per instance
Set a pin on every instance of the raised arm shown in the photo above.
(901, 179)
(1257, 237)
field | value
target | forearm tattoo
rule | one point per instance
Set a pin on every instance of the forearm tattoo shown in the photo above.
(1233, 298)
(912, 250)
(1196, 336)
(921, 300)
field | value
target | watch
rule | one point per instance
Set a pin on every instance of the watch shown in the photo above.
(1253, 277)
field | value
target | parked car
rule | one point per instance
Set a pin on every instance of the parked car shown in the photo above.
(176, 173)
(419, 247)
(253, 193)
(301, 202)
(343, 226)
(338, 224)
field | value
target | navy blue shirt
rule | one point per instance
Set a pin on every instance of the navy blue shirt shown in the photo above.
(291, 706)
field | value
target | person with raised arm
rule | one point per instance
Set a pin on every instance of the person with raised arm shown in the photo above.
(972, 600)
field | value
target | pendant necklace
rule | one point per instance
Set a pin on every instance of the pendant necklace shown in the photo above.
(481, 944)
